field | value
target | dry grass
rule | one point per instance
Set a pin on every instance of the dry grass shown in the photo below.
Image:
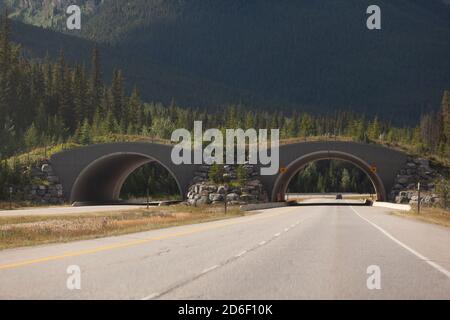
(15, 205)
(36, 230)
(430, 215)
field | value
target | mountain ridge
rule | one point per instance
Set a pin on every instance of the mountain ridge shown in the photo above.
(296, 53)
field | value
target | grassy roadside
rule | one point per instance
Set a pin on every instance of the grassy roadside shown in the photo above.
(38, 230)
(17, 205)
(430, 215)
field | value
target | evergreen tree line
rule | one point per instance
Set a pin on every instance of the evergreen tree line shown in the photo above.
(45, 103)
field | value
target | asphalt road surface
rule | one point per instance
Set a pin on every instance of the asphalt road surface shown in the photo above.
(285, 253)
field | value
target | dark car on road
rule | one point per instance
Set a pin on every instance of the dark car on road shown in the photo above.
(339, 197)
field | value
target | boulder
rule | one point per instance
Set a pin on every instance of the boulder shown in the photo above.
(425, 163)
(403, 179)
(46, 167)
(411, 165)
(232, 197)
(53, 179)
(216, 197)
(203, 200)
(221, 190)
(247, 198)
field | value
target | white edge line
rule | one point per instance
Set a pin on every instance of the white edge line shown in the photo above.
(210, 269)
(262, 243)
(241, 254)
(417, 254)
(277, 234)
(152, 296)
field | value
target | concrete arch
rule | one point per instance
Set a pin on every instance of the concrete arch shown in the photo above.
(108, 165)
(96, 173)
(282, 181)
(102, 180)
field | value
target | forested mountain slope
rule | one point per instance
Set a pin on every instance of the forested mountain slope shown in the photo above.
(302, 54)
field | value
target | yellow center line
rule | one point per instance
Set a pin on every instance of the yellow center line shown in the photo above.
(127, 244)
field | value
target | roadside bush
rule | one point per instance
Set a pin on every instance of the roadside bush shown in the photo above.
(443, 190)
(241, 174)
(216, 173)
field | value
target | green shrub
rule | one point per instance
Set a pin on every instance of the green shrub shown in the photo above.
(443, 190)
(216, 173)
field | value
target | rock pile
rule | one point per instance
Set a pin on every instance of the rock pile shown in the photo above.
(203, 191)
(412, 198)
(45, 187)
(405, 189)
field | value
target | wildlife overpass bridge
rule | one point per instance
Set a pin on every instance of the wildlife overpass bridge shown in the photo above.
(96, 173)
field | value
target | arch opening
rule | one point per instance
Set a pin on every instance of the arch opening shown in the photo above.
(150, 180)
(327, 179)
(282, 183)
(102, 180)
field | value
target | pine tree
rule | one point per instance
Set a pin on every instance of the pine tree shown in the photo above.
(96, 86)
(31, 137)
(80, 93)
(445, 114)
(241, 175)
(85, 133)
(117, 95)
(135, 112)
(66, 108)
(216, 173)
(306, 125)
(345, 181)
(5, 44)
(374, 129)
(250, 121)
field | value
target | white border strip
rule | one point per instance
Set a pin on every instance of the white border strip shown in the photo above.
(396, 206)
(417, 254)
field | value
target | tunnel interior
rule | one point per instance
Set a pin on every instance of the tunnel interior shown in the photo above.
(330, 176)
(282, 183)
(101, 181)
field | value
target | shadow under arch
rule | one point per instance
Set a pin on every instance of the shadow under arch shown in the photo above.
(101, 181)
(282, 182)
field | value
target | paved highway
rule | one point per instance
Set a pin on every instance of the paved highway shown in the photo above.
(285, 253)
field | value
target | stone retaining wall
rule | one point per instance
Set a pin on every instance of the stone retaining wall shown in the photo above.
(202, 191)
(405, 190)
(45, 187)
